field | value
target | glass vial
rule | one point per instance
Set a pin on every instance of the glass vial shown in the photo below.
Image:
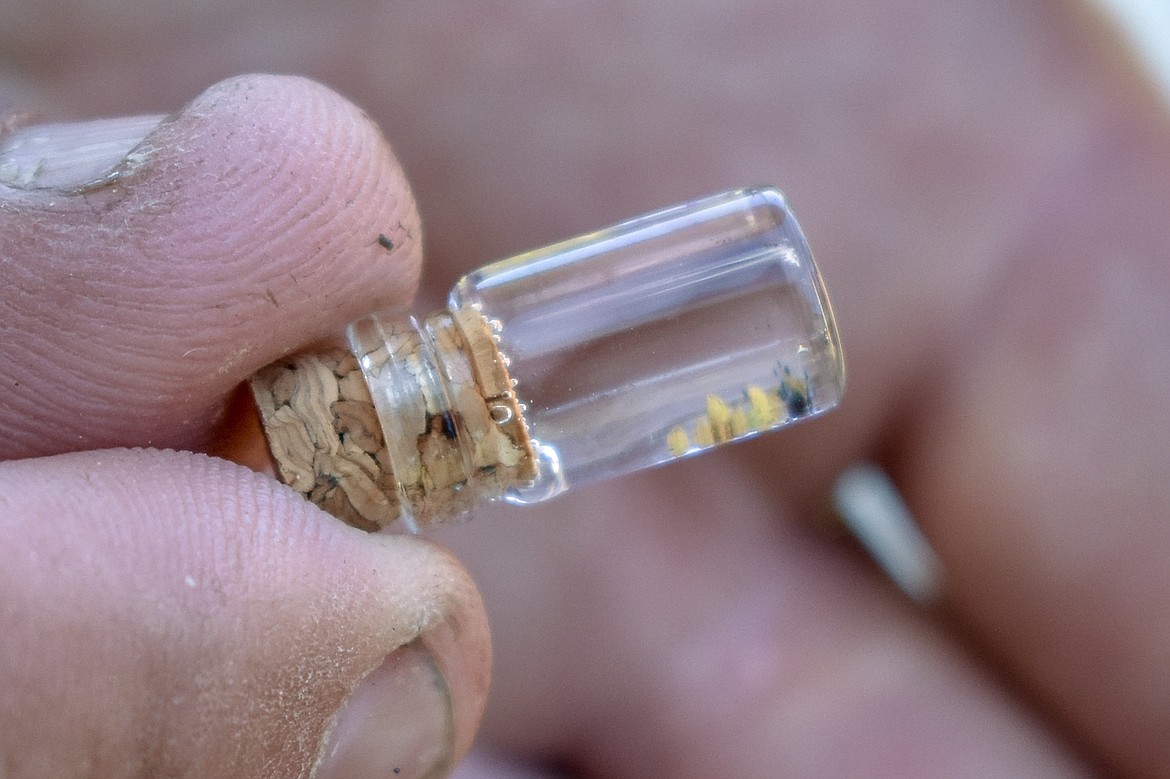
(618, 350)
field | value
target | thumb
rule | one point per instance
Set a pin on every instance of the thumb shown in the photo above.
(169, 614)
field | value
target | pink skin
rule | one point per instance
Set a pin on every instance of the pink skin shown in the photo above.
(215, 237)
(148, 593)
(201, 621)
(985, 186)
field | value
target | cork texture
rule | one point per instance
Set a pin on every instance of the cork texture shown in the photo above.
(440, 450)
(503, 454)
(324, 435)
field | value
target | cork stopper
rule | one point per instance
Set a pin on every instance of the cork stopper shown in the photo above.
(418, 426)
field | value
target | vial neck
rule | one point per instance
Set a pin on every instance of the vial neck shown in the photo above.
(454, 432)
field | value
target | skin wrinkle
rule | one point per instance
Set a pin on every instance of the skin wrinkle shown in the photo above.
(266, 597)
(210, 246)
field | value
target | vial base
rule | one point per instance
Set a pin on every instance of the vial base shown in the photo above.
(663, 336)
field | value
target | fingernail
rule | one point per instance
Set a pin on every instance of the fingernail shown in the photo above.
(397, 724)
(70, 156)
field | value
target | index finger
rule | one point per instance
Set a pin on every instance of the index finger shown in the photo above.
(264, 215)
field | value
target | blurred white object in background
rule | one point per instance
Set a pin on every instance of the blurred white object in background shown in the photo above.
(1146, 25)
(870, 505)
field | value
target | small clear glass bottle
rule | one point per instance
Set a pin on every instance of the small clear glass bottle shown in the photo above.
(618, 350)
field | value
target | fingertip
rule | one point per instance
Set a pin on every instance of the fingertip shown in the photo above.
(418, 712)
(265, 215)
(308, 188)
(208, 596)
(461, 646)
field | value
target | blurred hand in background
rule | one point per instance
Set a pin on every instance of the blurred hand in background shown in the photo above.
(985, 186)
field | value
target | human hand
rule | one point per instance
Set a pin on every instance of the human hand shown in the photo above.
(962, 169)
(166, 613)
